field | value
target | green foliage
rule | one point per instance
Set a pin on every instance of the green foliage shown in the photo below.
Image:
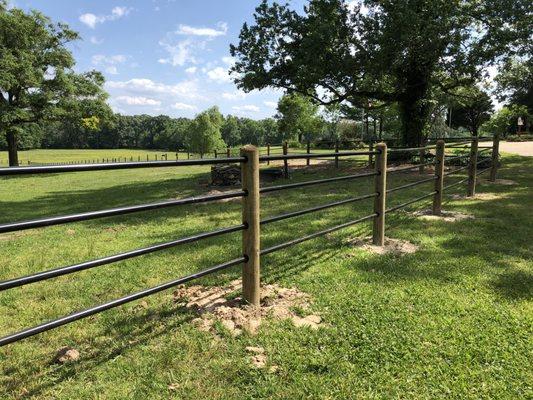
(204, 135)
(397, 52)
(472, 108)
(298, 118)
(37, 80)
(504, 121)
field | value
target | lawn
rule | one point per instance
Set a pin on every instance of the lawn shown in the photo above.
(453, 320)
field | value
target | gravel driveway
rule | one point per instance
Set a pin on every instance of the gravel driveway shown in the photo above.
(520, 148)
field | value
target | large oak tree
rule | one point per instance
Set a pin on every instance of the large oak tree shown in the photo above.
(394, 52)
(37, 80)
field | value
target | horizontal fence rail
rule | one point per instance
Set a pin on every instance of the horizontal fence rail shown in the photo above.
(250, 192)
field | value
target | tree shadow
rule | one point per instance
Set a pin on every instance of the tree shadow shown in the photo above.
(514, 285)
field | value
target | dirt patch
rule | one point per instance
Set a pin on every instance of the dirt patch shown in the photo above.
(391, 246)
(447, 216)
(219, 305)
(66, 354)
(259, 359)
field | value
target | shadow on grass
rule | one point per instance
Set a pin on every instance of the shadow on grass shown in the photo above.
(514, 285)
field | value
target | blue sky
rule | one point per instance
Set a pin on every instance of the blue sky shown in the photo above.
(162, 56)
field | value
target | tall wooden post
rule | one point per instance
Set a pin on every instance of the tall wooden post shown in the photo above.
(250, 217)
(439, 178)
(285, 162)
(495, 157)
(188, 156)
(308, 161)
(216, 154)
(422, 157)
(380, 187)
(472, 170)
(336, 153)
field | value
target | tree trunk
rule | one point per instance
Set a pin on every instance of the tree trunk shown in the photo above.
(414, 112)
(12, 148)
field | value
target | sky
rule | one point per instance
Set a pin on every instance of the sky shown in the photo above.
(162, 56)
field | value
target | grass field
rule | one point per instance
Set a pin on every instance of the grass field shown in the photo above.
(454, 320)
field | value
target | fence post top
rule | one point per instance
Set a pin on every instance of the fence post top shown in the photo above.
(248, 148)
(440, 142)
(382, 145)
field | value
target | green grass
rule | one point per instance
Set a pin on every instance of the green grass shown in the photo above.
(453, 320)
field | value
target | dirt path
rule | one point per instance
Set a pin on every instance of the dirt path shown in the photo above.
(520, 148)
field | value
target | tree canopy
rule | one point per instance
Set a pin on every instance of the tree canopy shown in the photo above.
(396, 52)
(298, 117)
(37, 80)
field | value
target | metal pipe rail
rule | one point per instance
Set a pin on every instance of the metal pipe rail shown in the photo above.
(412, 184)
(399, 206)
(482, 171)
(268, 189)
(455, 184)
(114, 303)
(316, 155)
(401, 169)
(52, 273)
(456, 170)
(409, 149)
(318, 208)
(105, 167)
(314, 235)
(63, 219)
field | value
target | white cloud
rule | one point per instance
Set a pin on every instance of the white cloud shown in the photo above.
(219, 75)
(138, 101)
(191, 70)
(230, 61)
(183, 106)
(246, 109)
(91, 20)
(209, 32)
(180, 53)
(109, 63)
(147, 87)
(271, 104)
(95, 40)
(236, 95)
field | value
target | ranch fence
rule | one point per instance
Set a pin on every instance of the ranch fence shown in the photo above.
(250, 192)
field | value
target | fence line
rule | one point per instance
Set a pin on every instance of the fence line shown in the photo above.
(249, 160)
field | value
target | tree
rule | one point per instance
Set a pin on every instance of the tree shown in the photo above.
(515, 85)
(397, 52)
(298, 117)
(472, 108)
(205, 133)
(504, 122)
(231, 131)
(37, 81)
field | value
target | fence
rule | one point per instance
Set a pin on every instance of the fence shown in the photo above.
(250, 227)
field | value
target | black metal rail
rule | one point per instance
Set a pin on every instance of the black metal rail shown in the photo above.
(52, 273)
(63, 219)
(115, 303)
(316, 155)
(412, 184)
(318, 208)
(314, 235)
(106, 167)
(455, 184)
(399, 206)
(456, 170)
(268, 189)
(401, 169)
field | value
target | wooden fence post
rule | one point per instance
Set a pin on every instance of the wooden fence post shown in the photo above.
(285, 162)
(422, 157)
(380, 187)
(337, 152)
(250, 217)
(268, 153)
(495, 157)
(439, 178)
(472, 170)
(216, 154)
(308, 161)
